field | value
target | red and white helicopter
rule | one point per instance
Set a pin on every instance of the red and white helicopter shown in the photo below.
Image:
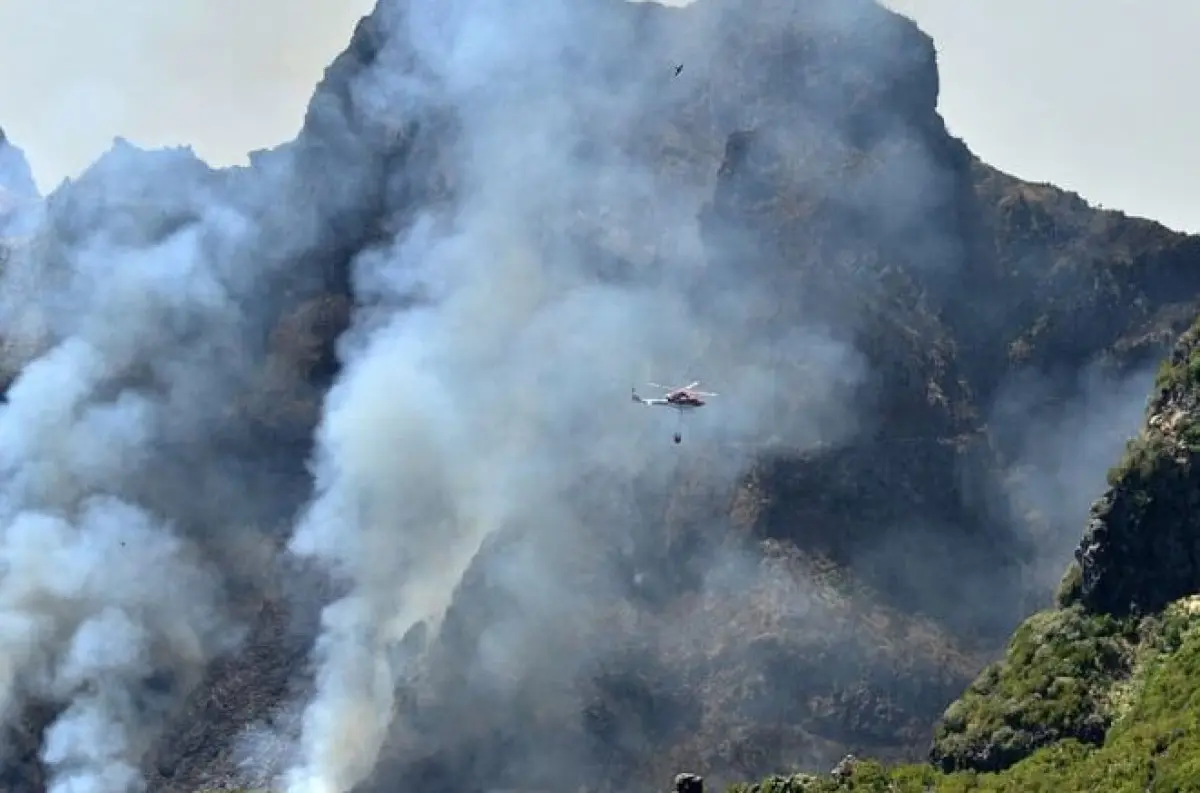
(681, 399)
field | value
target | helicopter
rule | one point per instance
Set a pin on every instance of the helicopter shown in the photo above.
(683, 399)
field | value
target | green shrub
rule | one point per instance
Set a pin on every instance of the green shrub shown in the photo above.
(1051, 685)
(1153, 746)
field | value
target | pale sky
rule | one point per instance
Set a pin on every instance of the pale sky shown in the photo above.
(225, 76)
(1089, 94)
(1098, 96)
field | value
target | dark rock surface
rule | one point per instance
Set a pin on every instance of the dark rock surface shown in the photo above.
(1141, 547)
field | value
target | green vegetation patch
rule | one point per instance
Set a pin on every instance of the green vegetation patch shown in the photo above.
(1052, 684)
(1144, 458)
(1181, 371)
(1153, 744)
(1172, 413)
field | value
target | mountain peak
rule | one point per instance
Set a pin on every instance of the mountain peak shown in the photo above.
(16, 177)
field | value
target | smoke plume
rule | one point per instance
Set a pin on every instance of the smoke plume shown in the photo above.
(498, 393)
(1062, 449)
(108, 606)
(133, 312)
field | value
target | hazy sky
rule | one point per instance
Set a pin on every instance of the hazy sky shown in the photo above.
(1088, 94)
(1098, 96)
(226, 76)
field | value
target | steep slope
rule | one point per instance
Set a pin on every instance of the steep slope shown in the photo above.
(16, 179)
(17, 188)
(820, 568)
(1100, 692)
(902, 504)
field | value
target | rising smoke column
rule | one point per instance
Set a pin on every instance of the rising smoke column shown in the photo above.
(502, 385)
(105, 608)
(135, 312)
(439, 431)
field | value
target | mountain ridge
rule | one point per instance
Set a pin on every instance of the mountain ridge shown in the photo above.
(834, 587)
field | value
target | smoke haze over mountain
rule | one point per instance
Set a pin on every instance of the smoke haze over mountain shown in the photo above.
(499, 190)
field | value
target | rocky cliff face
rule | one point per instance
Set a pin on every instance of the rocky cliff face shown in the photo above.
(1139, 551)
(1100, 690)
(822, 569)
(17, 188)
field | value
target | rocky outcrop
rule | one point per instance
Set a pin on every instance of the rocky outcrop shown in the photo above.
(1141, 549)
(16, 178)
(1123, 602)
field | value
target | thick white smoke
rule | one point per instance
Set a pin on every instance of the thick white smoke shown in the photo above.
(508, 385)
(93, 607)
(129, 311)
(100, 596)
